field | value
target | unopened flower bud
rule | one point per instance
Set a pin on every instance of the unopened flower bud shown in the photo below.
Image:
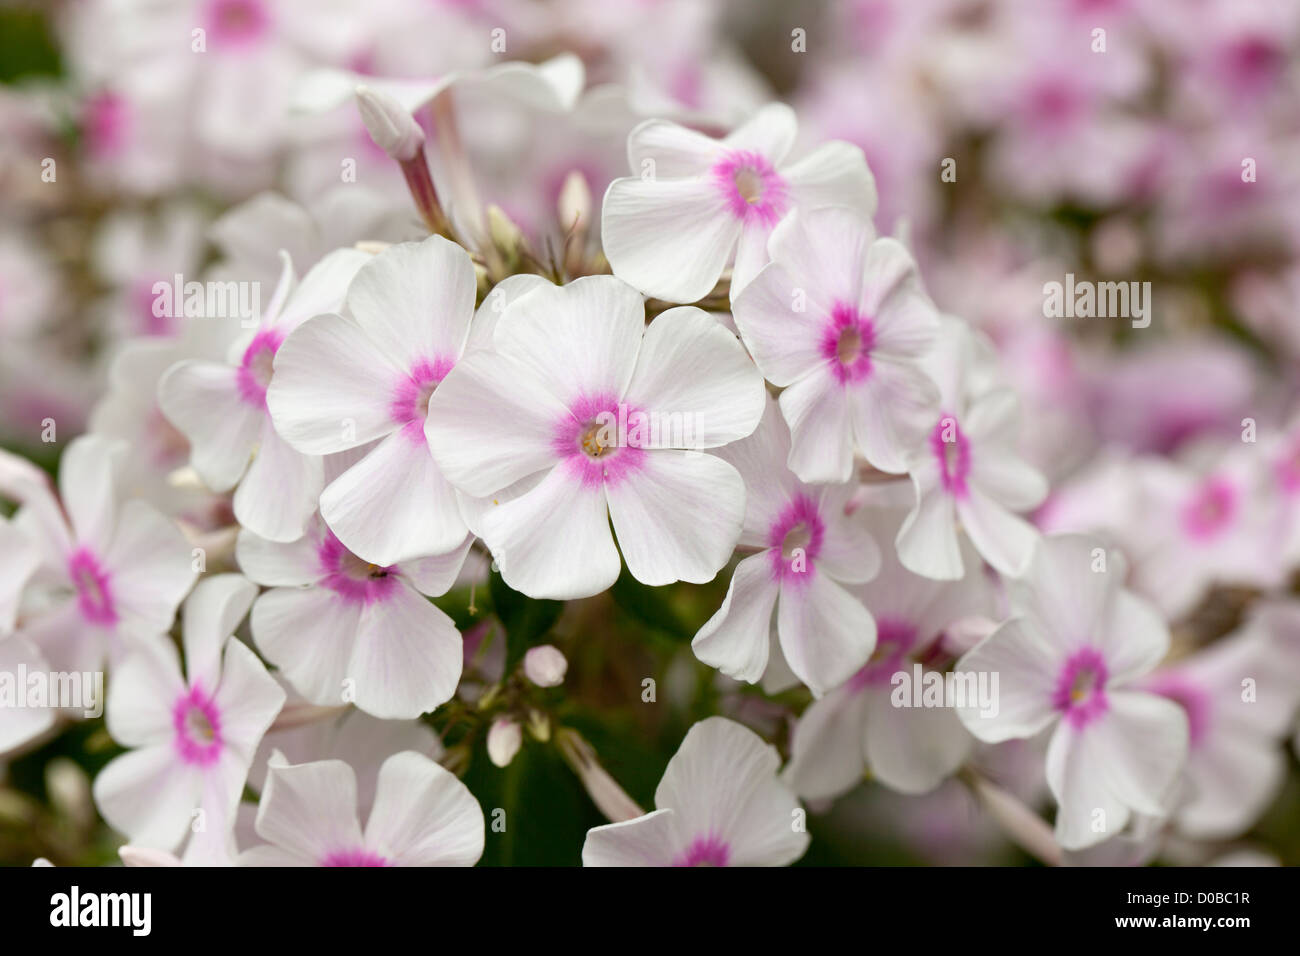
(390, 124)
(545, 666)
(504, 740)
(574, 204)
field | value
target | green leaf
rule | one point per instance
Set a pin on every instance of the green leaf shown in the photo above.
(652, 607)
(525, 619)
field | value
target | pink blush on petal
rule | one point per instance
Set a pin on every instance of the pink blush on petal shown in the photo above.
(847, 343)
(597, 441)
(354, 580)
(237, 24)
(1193, 699)
(704, 851)
(1080, 692)
(410, 405)
(752, 189)
(894, 642)
(358, 857)
(197, 724)
(1211, 509)
(952, 449)
(94, 588)
(255, 368)
(796, 534)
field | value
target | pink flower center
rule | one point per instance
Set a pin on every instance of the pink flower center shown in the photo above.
(704, 851)
(753, 190)
(1080, 692)
(104, 120)
(1210, 509)
(357, 857)
(355, 580)
(254, 374)
(197, 725)
(847, 343)
(795, 539)
(94, 588)
(895, 640)
(234, 24)
(599, 441)
(952, 449)
(410, 405)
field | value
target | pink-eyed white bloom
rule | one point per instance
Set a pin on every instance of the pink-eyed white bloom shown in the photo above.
(966, 472)
(1069, 657)
(579, 414)
(861, 727)
(1240, 706)
(838, 319)
(112, 570)
(809, 548)
(1204, 520)
(221, 407)
(693, 204)
(344, 630)
(193, 736)
(422, 816)
(342, 381)
(719, 803)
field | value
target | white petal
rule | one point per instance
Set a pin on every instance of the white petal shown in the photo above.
(891, 412)
(149, 795)
(394, 504)
(277, 564)
(821, 437)
(669, 238)
(436, 574)
(769, 132)
(693, 371)
(648, 840)
(781, 322)
(735, 639)
(1027, 665)
(423, 815)
(144, 688)
(152, 569)
(202, 400)
(332, 389)
(826, 633)
(280, 493)
(913, 749)
(824, 252)
(22, 724)
(491, 423)
(1003, 539)
(407, 657)
(835, 174)
(677, 516)
(310, 809)
(87, 487)
(675, 150)
(248, 700)
(415, 299)
(308, 635)
(554, 541)
(722, 782)
(211, 614)
(580, 340)
(826, 747)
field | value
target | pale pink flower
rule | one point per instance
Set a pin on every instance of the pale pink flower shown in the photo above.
(694, 204)
(808, 549)
(719, 803)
